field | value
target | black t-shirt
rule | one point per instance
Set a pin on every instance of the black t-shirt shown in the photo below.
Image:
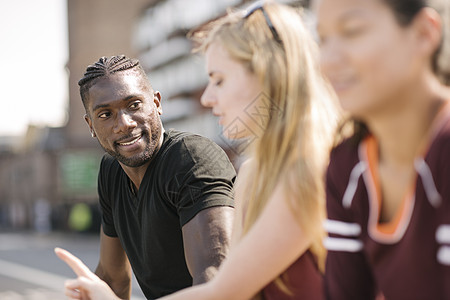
(188, 174)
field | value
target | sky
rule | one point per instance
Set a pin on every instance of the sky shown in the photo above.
(33, 55)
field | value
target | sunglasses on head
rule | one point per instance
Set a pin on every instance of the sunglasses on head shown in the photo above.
(260, 6)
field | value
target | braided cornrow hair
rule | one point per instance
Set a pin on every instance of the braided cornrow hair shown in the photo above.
(104, 67)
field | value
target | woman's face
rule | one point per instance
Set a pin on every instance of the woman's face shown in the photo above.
(370, 60)
(233, 93)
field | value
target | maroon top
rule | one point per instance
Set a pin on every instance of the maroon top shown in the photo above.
(302, 278)
(405, 258)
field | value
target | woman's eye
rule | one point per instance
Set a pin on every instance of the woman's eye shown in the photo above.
(218, 83)
(353, 30)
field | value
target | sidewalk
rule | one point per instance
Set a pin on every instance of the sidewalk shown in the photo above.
(29, 269)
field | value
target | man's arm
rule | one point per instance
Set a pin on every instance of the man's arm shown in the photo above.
(206, 240)
(113, 266)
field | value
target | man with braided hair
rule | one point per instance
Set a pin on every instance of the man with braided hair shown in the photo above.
(166, 196)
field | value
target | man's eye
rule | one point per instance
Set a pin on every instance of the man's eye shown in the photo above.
(104, 115)
(135, 105)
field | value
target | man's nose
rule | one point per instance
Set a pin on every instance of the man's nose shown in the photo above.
(124, 122)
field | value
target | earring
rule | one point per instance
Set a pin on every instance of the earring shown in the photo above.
(93, 134)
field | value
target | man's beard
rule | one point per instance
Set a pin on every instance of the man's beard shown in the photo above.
(143, 157)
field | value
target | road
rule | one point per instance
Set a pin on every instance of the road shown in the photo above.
(29, 270)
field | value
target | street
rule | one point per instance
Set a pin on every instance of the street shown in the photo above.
(29, 269)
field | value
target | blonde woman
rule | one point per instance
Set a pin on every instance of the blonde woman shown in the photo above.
(388, 186)
(264, 86)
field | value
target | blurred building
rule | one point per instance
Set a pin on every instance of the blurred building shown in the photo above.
(30, 179)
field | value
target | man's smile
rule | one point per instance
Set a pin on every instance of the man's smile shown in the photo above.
(130, 141)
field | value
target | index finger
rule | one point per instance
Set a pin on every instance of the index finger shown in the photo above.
(74, 263)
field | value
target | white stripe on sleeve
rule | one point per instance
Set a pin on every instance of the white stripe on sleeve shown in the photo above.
(342, 228)
(340, 244)
(443, 234)
(443, 255)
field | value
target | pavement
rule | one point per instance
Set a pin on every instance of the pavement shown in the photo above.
(29, 269)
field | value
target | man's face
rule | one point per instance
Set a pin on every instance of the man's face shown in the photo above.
(123, 113)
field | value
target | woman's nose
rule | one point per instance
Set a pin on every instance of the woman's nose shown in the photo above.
(208, 99)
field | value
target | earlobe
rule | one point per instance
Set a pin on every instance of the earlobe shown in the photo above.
(89, 123)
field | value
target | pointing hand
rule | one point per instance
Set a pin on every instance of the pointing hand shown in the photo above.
(87, 286)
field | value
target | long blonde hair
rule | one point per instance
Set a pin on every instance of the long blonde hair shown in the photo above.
(294, 145)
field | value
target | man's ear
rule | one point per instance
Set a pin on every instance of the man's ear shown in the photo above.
(89, 122)
(157, 101)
